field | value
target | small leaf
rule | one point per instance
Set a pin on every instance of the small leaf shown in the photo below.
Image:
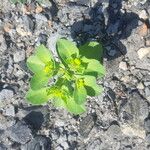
(38, 81)
(75, 108)
(59, 102)
(93, 89)
(37, 97)
(92, 50)
(80, 94)
(35, 64)
(43, 54)
(66, 50)
(94, 68)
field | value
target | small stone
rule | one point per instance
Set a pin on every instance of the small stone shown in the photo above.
(7, 27)
(114, 131)
(94, 145)
(142, 52)
(59, 123)
(86, 125)
(38, 9)
(143, 30)
(147, 125)
(9, 111)
(147, 93)
(123, 66)
(147, 83)
(131, 131)
(140, 86)
(19, 56)
(143, 15)
(21, 31)
(6, 94)
(147, 41)
(20, 132)
(38, 143)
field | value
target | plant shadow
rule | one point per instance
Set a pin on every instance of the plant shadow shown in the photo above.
(109, 24)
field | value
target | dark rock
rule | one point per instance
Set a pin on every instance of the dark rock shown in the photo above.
(35, 119)
(20, 132)
(86, 125)
(38, 143)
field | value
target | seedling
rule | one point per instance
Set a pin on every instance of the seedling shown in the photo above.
(66, 82)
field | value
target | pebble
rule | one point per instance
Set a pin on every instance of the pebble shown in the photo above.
(20, 132)
(19, 56)
(123, 66)
(9, 111)
(143, 30)
(142, 52)
(147, 93)
(140, 86)
(147, 83)
(143, 15)
(38, 143)
(6, 94)
(147, 125)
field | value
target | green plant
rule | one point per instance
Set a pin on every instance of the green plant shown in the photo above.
(75, 75)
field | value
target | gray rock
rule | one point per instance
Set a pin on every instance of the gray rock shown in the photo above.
(94, 145)
(147, 93)
(20, 132)
(38, 143)
(86, 125)
(114, 131)
(147, 125)
(3, 45)
(6, 94)
(9, 111)
(2, 147)
(19, 56)
(6, 122)
(41, 20)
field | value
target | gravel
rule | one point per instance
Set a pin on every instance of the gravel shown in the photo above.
(118, 119)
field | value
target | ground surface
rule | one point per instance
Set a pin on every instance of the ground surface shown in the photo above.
(116, 120)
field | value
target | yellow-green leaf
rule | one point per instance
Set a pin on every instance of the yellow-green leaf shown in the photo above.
(74, 108)
(92, 50)
(80, 94)
(43, 54)
(35, 64)
(92, 88)
(37, 97)
(38, 81)
(66, 50)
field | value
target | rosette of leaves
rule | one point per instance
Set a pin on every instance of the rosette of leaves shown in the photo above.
(75, 75)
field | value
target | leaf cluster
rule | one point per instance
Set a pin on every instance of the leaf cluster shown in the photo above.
(66, 82)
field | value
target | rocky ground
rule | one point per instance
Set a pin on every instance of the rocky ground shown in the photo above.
(119, 119)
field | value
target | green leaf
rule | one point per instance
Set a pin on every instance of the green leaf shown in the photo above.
(37, 97)
(66, 50)
(43, 54)
(93, 89)
(94, 68)
(59, 102)
(80, 94)
(35, 64)
(75, 108)
(38, 81)
(92, 50)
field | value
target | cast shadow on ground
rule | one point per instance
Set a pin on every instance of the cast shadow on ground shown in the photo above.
(106, 24)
